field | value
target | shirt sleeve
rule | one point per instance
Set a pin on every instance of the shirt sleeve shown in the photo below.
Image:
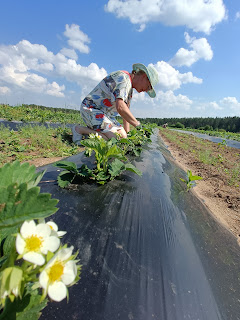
(123, 87)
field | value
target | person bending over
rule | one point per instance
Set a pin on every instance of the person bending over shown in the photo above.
(111, 97)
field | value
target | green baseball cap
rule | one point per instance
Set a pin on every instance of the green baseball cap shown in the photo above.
(152, 74)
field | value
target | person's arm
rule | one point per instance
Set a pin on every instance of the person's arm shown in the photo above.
(126, 125)
(126, 114)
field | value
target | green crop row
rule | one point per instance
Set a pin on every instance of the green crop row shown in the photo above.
(33, 113)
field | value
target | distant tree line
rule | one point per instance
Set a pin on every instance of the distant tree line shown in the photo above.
(231, 124)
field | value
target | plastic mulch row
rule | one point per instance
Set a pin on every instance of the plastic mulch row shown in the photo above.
(149, 249)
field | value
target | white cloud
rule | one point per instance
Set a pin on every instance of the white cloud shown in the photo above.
(231, 103)
(55, 90)
(77, 39)
(24, 65)
(70, 53)
(172, 79)
(141, 27)
(200, 50)
(27, 49)
(214, 105)
(169, 100)
(198, 15)
(166, 104)
(238, 15)
(4, 90)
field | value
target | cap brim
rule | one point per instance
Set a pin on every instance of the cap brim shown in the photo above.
(151, 93)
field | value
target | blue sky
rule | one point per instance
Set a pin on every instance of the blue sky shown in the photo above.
(53, 53)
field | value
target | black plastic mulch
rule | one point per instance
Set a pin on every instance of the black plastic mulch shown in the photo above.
(149, 249)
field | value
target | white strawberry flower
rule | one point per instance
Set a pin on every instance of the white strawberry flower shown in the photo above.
(92, 135)
(95, 135)
(59, 272)
(34, 241)
(54, 229)
(98, 136)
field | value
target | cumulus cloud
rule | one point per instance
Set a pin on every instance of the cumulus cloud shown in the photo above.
(30, 50)
(214, 105)
(70, 53)
(172, 79)
(169, 100)
(4, 90)
(54, 89)
(231, 103)
(201, 49)
(77, 39)
(166, 104)
(26, 65)
(74, 72)
(198, 15)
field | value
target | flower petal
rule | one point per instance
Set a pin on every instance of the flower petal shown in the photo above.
(57, 291)
(43, 279)
(69, 273)
(28, 228)
(34, 257)
(61, 233)
(52, 225)
(43, 230)
(20, 244)
(50, 244)
(65, 253)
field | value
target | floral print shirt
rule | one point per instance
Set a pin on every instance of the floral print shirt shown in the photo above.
(103, 97)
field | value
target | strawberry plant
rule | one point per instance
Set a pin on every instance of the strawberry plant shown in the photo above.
(137, 137)
(30, 252)
(110, 158)
(109, 163)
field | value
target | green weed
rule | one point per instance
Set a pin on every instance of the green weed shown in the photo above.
(190, 182)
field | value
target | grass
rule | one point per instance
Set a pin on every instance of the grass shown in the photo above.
(234, 176)
(224, 159)
(33, 113)
(31, 142)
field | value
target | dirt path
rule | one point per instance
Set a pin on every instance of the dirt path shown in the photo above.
(222, 200)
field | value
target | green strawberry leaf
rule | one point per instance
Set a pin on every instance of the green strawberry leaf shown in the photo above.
(18, 203)
(16, 172)
(67, 165)
(132, 168)
(28, 307)
(65, 178)
(115, 168)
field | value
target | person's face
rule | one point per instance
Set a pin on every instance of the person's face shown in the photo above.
(143, 84)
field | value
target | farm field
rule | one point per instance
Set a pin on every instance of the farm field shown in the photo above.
(37, 145)
(34, 113)
(218, 165)
(115, 214)
(223, 134)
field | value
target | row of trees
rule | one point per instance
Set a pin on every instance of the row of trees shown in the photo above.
(231, 124)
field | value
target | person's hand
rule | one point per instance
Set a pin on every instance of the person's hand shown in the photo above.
(138, 126)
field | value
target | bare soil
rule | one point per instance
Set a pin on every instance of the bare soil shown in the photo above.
(38, 162)
(221, 198)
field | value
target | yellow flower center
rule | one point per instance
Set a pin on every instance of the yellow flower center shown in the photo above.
(56, 271)
(33, 243)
